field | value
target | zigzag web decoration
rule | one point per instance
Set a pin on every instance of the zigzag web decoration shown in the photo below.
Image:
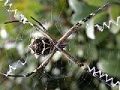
(90, 27)
(101, 28)
(21, 18)
(102, 76)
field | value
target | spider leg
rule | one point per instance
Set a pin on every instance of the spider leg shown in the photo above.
(11, 21)
(43, 32)
(41, 66)
(72, 59)
(39, 24)
(80, 23)
(94, 71)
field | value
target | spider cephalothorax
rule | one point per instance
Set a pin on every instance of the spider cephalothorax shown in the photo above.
(42, 46)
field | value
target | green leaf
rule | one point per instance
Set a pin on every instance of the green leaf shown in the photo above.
(109, 62)
(95, 2)
(81, 10)
(115, 11)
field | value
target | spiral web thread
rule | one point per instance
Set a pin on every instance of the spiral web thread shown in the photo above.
(94, 71)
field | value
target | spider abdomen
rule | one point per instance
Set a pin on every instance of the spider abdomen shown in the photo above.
(42, 46)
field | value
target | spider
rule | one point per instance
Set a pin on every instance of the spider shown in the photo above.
(46, 45)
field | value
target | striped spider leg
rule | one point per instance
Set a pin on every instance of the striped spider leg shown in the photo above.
(93, 71)
(72, 30)
(80, 23)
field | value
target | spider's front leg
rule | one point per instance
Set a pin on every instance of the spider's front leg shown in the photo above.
(75, 27)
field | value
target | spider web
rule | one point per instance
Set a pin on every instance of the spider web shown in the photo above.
(59, 74)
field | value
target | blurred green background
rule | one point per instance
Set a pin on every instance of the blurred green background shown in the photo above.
(60, 74)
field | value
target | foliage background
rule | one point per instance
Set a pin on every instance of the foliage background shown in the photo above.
(103, 51)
